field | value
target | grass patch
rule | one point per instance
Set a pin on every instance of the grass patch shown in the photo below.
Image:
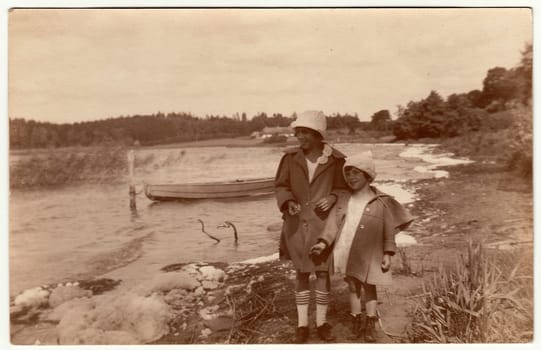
(484, 298)
(60, 167)
(509, 144)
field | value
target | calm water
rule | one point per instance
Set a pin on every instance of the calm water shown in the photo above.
(88, 231)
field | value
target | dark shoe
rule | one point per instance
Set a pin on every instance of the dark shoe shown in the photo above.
(370, 332)
(324, 332)
(301, 335)
(358, 325)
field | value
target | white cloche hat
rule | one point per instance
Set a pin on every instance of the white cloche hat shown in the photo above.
(314, 120)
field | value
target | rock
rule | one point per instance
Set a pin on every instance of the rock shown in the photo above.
(207, 285)
(120, 338)
(62, 294)
(30, 316)
(34, 297)
(219, 324)
(211, 273)
(72, 323)
(231, 289)
(98, 286)
(84, 336)
(209, 312)
(125, 319)
(205, 332)
(146, 318)
(79, 305)
(17, 310)
(44, 332)
(199, 291)
(165, 282)
(176, 297)
(191, 269)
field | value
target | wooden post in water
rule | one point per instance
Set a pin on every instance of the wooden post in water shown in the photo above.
(131, 165)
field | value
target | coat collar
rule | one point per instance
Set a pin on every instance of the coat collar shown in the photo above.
(335, 153)
(376, 194)
(298, 155)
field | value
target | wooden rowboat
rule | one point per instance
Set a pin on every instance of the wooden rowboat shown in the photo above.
(210, 190)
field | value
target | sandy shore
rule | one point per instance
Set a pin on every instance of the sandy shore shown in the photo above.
(252, 302)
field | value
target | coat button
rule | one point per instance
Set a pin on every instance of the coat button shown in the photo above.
(367, 209)
(362, 226)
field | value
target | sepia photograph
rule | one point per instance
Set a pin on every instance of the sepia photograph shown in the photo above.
(190, 176)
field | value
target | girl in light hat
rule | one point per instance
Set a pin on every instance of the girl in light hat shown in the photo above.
(307, 182)
(362, 226)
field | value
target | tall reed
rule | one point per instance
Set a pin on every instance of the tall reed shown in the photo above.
(485, 298)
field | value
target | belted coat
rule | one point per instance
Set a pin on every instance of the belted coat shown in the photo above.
(382, 219)
(300, 232)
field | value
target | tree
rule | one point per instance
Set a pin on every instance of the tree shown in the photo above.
(476, 98)
(381, 120)
(524, 73)
(499, 85)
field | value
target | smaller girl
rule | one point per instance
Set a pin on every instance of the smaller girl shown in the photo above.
(362, 226)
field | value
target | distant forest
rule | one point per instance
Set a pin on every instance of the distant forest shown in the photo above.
(432, 117)
(152, 129)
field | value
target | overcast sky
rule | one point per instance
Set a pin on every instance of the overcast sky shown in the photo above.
(75, 65)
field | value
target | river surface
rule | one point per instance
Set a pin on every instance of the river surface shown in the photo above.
(87, 231)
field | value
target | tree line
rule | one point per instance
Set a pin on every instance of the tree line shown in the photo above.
(158, 128)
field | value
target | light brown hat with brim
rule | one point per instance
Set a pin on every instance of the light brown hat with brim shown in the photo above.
(363, 161)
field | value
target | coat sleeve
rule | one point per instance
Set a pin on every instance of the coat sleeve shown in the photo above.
(282, 184)
(330, 230)
(333, 224)
(339, 183)
(397, 218)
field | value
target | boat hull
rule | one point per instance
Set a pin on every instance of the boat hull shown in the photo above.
(212, 190)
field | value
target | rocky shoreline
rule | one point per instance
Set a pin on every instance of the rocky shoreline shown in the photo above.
(252, 302)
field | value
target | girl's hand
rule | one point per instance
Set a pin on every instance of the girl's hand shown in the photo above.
(318, 248)
(293, 208)
(386, 263)
(326, 203)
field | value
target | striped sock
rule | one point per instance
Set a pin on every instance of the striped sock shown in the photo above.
(302, 300)
(354, 303)
(322, 303)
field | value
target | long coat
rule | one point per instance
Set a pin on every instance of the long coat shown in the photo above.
(300, 232)
(382, 219)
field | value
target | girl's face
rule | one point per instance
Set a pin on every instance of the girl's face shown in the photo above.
(308, 138)
(355, 178)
